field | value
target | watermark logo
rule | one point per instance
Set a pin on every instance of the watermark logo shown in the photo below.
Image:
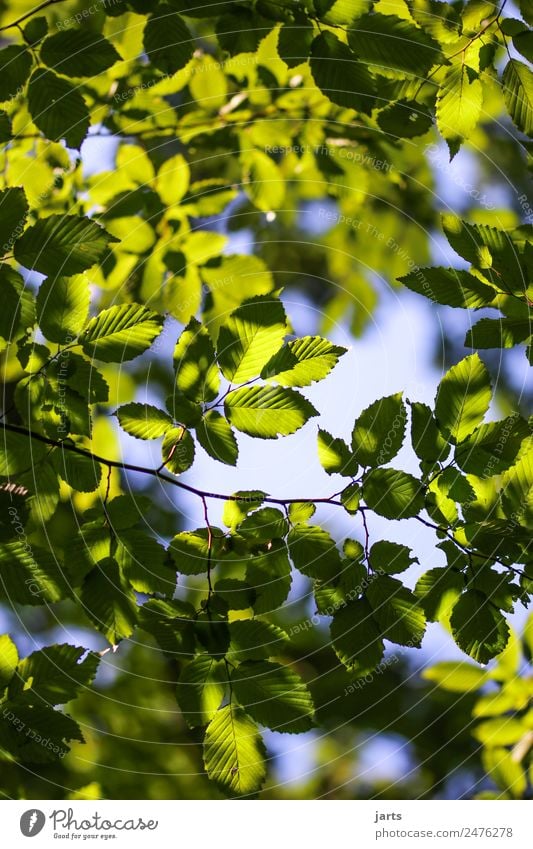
(32, 822)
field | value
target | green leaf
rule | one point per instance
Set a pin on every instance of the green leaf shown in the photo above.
(390, 557)
(170, 623)
(339, 75)
(240, 504)
(263, 180)
(450, 287)
(523, 42)
(109, 602)
(18, 453)
(54, 674)
(57, 108)
(248, 336)
(234, 753)
(78, 53)
(517, 84)
(263, 525)
(143, 421)
(478, 627)
(270, 576)
(273, 695)
(62, 245)
(178, 450)
(144, 563)
(503, 769)
(294, 42)
(200, 689)
(438, 590)
(471, 240)
(63, 307)
(405, 119)
(356, 638)
(215, 435)
(397, 611)
(302, 362)
(313, 552)
(47, 726)
(341, 11)
(15, 66)
(517, 491)
(189, 550)
(14, 211)
(493, 447)
(335, 456)
(428, 443)
(388, 42)
(379, 431)
(498, 333)
(9, 659)
(121, 333)
(459, 105)
(456, 676)
(267, 412)
(81, 473)
(232, 280)
(167, 40)
(393, 494)
(183, 410)
(463, 398)
(173, 180)
(31, 575)
(351, 497)
(35, 30)
(195, 363)
(252, 639)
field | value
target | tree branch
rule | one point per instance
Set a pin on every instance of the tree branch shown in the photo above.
(156, 473)
(30, 14)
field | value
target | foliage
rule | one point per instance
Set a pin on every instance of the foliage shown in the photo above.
(321, 101)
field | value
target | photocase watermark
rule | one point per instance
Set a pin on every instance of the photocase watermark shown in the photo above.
(65, 824)
(32, 822)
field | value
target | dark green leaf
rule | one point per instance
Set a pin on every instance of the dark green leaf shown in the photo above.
(13, 213)
(340, 76)
(168, 40)
(478, 627)
(15, 66)
(57, 108)
(379, 431)
(63, 307)
(273, 695)
(393, 494)
(195, 363)
(62, 245)
(356, 638)
(396, 611)
(78, 53)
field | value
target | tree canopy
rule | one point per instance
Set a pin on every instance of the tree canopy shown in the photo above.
(171, 173)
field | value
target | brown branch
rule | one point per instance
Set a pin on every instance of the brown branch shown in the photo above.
(155, 473)
(30, 14)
